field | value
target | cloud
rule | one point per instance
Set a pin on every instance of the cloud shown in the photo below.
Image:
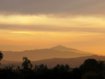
(51, 29)
(70, 21)
(52, 23)
(52, 6)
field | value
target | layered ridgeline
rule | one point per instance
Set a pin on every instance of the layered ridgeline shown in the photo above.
(72, 62)
(51, 56)
(41, 54)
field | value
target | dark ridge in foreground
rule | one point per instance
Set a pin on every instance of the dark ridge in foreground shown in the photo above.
(89, 69)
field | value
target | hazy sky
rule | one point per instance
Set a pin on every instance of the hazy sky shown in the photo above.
(30, 24)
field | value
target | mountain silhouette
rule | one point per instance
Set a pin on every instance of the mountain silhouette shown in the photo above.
(41, 54)
(60, 47)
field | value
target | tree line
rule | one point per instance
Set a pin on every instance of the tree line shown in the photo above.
(90, 69)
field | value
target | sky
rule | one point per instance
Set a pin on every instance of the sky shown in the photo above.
(36, 24)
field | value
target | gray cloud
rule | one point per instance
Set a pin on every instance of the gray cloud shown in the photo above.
(51, 28)
(53, 6)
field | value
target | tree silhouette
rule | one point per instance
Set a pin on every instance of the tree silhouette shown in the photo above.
(92, 69)
(90, 65)
(61, 68)
(26, 63)
(1, 55)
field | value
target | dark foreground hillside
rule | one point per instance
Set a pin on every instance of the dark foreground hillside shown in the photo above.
(90, 69)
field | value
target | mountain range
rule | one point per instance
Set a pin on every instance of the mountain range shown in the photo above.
(41, 54)
(50, 56)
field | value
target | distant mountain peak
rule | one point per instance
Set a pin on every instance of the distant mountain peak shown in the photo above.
(60, 47)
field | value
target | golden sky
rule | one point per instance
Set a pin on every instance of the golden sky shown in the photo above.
(76, 24)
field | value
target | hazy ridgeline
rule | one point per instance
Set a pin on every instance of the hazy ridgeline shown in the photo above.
(90, 69)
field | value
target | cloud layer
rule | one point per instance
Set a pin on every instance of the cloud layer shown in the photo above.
(27, 24)
(52, 6)
(52, 23)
